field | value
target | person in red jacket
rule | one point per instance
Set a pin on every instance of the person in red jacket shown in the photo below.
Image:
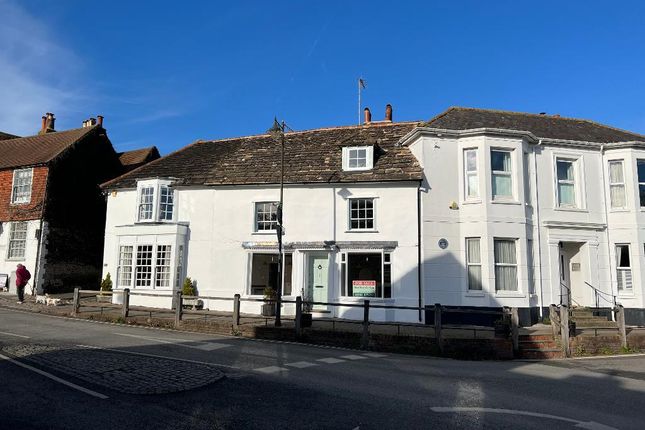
(22, 277)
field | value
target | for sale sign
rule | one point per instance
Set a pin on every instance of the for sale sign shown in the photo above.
(364, 288)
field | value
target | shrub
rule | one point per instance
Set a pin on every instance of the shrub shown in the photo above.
(106, 284)
(269, 294)
(188, 289)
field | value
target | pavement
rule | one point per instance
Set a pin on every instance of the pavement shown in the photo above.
(61, 373)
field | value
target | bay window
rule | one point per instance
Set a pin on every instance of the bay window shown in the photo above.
(617, 184)
(502, 174)
(505, 264)
(474, 264)
(156, 201)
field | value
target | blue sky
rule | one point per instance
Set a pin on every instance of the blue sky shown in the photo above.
(168, 73)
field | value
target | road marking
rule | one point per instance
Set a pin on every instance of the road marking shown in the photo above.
(201, 345)
(55, 378)
(589, 425)
(271, 369)
(13, 334)
(353, 357)
(331, 360)
(374, 355)
(301, 364)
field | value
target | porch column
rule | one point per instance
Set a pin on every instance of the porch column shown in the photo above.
(594, 277)
(553, 296)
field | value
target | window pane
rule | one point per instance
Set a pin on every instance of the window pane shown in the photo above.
(472, 248)
(505, 252)
(500, 161)
(471, 161)
(622, 255)
(475, 278)
(565, 170)
(641, 170)
(288, 265)
(364, 275)
(264, 273)
(143, 270)
(166, 203)
(615, 172)
(617, 195)
(566, 194)
(473, 185)
(502, 185)
(162, 267)
(505, 278)
(641, 192)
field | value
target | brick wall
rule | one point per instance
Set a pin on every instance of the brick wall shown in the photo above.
(22, 212)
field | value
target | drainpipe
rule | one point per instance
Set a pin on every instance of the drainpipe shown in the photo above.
(419, 263)
(539, 229)
(604, 187)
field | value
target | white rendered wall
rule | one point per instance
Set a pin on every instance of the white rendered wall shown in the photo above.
(8, 266)
(220, 220)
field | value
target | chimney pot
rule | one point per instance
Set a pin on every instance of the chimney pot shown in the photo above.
(388, 112)
(368, 115)
(100, 120)
(43, 125)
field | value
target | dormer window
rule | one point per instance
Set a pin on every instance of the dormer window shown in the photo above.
(358, 158)
(155, 201)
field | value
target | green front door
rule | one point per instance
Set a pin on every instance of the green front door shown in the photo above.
(318, 279)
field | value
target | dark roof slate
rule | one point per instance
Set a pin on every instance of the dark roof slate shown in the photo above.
(313, 156)
(39, 149)
(545, 126)
(5, 136)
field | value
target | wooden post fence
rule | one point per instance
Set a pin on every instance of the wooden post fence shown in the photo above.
(564, 330)
(126, 303)
(620, 319)
(178, 309)
(236, 312)
(365, 340)
(298, 322)
(555, 319)
(77, 301)
(437, 326)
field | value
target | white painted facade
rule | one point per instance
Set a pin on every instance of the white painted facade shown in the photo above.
(216, 228)
(31, 243)
(581, 237)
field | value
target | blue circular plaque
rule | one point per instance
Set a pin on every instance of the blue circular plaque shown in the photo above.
(443, 243)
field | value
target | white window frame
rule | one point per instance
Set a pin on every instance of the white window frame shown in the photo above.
(157, 215)
(471, 173)
(613, 185)
(516, 265)
(344, 272)
(369, 157)
(124, 263)
(575, 182)
(349, 215)
(624, 274)
(638, 161)
(474, 264)
(510, 152)
(172, 275)
(256, 222)
(25, 197)
(21, 242)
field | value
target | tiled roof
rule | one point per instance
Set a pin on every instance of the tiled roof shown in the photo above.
(544, 126)
(133, 159)
(313, 156)
(39, 149)
(5, 136)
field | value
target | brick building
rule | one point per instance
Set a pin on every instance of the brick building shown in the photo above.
(52, 211)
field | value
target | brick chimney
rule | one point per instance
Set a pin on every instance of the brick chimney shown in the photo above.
(100, 120)
(388, 112)
(368, 115)
(48, 123)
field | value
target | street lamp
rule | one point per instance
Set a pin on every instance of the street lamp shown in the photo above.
(277, 133)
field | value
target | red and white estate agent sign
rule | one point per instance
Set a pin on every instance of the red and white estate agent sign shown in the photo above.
(364, 288)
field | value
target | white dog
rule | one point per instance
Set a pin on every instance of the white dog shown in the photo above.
(49, 301)
(41, 299)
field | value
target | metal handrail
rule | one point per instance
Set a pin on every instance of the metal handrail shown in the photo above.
(600, 294)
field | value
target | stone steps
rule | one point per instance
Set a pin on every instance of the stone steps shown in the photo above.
(539, 347)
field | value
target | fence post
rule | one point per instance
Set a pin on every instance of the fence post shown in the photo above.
(178, 309)
(298, 317)
(564, 330)
(620, 319)
(437, 326)
(365, 341)
(555, 319)
(236, 312)
(126, 303)
(77, 301)
(515, 331)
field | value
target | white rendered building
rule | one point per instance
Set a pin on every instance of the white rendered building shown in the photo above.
(510, 209)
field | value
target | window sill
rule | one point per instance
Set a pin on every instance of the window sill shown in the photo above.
(516, 295)
(371, 299)
(361, 231)
(626, 295)
(16, 259)
(566, 209)
(475, 294)
(505, 202)
(19, 203)
(265, 233)
(472, 202)
(619, 210)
